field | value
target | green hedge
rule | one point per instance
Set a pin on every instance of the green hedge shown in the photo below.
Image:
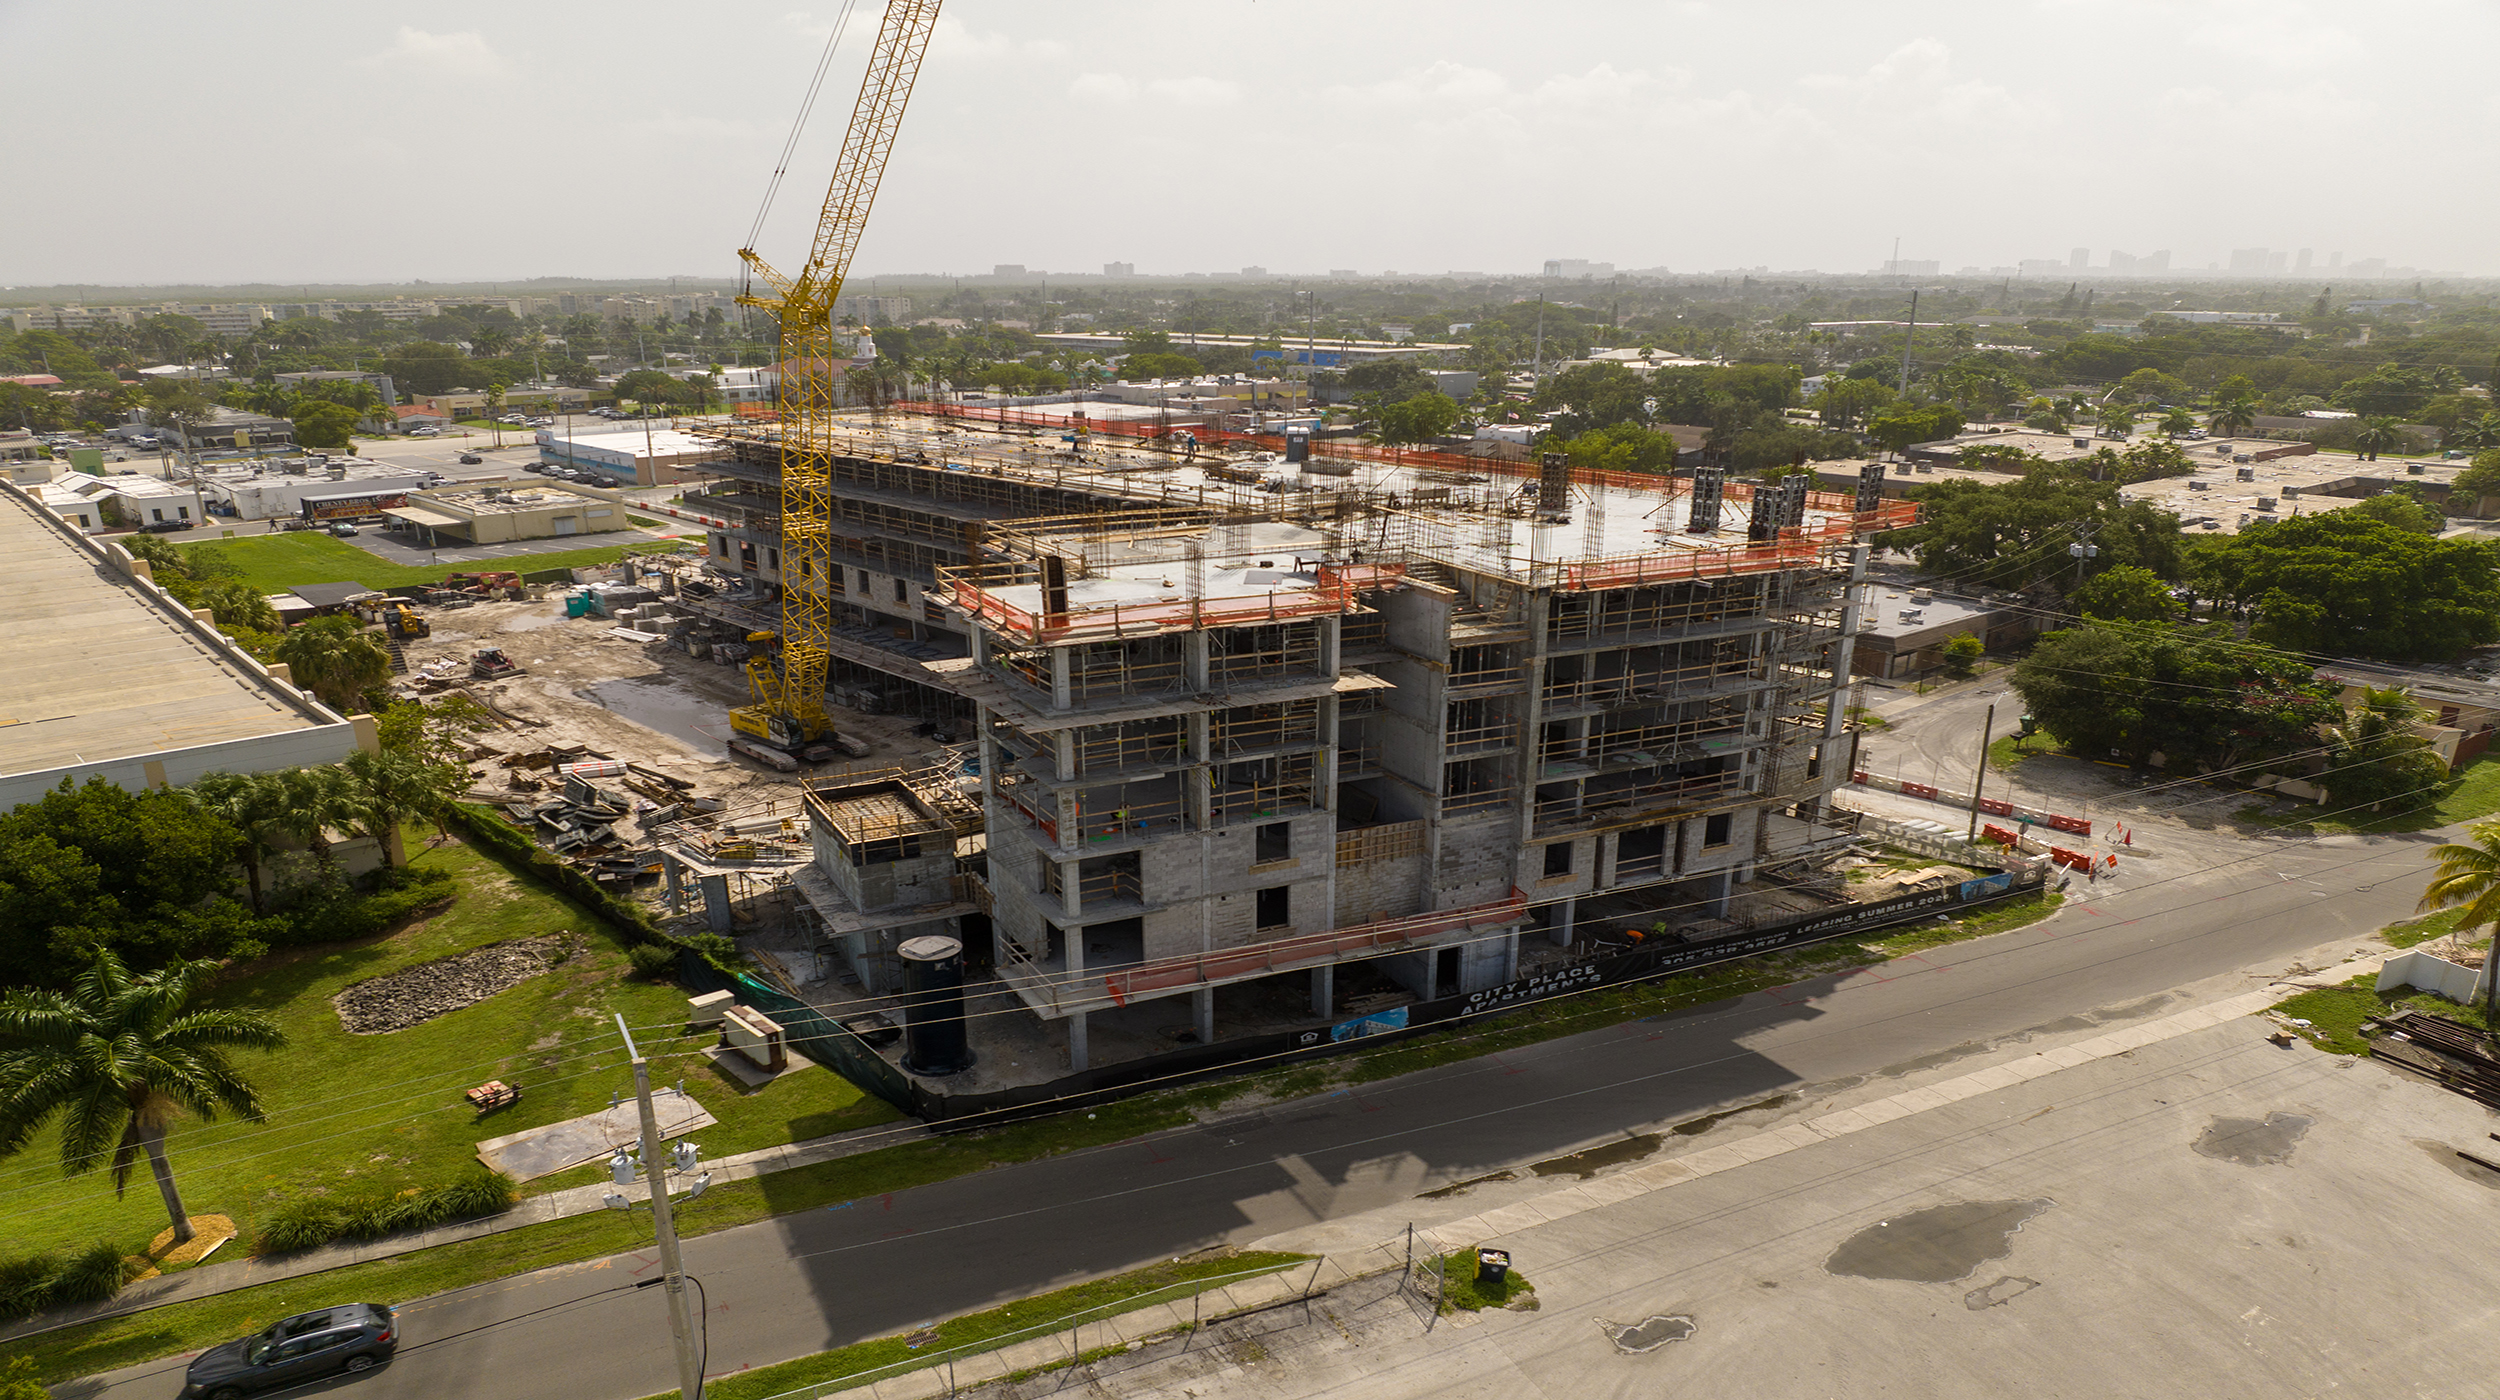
(30, 1283)
(338, 914)
(488, 831)
(312, 1221)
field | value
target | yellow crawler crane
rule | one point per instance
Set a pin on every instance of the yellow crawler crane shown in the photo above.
(792, 715)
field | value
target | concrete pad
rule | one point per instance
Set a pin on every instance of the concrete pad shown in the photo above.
(1884, 1110)
(1607, 1190)
(2032, 1067)
(1510, 1219)
(2068, 1056)
(1715, 1159)
(1997, 1077)
(1658, 1174)
(1920, 1100)
(544, 1151)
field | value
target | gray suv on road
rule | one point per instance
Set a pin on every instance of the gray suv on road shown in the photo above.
(357, 1337)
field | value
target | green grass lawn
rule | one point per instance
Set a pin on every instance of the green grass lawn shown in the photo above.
(367, 1113)
(275, 563)
(2469, 795)
(2335, 1013)
(2008, 752)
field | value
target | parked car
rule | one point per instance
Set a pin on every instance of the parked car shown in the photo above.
(144, 444)
(426, 430)
(357, 1337)
(166, 527)
(470, 459)
(533, 466)
(342, 529)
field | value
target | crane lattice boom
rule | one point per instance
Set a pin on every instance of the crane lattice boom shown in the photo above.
(794, 713)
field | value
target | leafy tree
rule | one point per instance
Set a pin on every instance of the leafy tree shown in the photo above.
(2387, 391)
(1395, 380)
(147, 874)
(426, 367)
(2128, 594)
(2342, 583)
(323, 424)
(2014, 535)
(2178, 422)
(116, 1059)
(336, 659)
(1426, 416)
(2482, 431)
(2402, 510)
(1962, 653)
(1625, 447)
(2375, 755)
(1141, 367)
(316, 801)
(1896, 427)
(2116, 421)
(19, 1380)
(185, 409)
(2468, 874)
(2480, 478)
(1844, 403)
(2149, 385)
(2195, 694)
(1775, 442)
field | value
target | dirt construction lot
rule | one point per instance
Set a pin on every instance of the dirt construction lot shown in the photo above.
(633, 700)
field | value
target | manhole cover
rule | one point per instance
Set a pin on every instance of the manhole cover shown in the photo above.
(1648, 1334)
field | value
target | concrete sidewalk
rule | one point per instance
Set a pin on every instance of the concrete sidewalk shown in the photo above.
(208, 1280)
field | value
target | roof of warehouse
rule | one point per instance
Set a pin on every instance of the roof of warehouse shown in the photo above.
(99, 669)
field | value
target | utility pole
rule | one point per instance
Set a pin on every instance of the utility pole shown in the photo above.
(1540, 342)
(1908, 342)
(2083, 549)
(1987, 735)
(664, 1225)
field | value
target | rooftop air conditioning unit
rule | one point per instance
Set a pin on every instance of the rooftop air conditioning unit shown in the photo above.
(2200, 486)
(2265, 503)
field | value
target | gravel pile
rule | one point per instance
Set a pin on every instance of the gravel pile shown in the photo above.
(433, 989)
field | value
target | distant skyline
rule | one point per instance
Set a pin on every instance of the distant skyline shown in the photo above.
(473, 142)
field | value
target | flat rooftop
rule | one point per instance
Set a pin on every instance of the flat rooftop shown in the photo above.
(507, 500)
(100, 670)
(628, 438)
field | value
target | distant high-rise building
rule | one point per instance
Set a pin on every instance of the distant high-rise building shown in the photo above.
(1119, 269)
(1254, 271)
(2251, 260)
(2275, 262)
(2301, 263)
(2334, 261)
(1007, 270)
(1911, 267)
(1343, 273)
(1577, 267)
(2079, 259)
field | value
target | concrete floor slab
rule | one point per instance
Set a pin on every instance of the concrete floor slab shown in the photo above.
(539, 1152)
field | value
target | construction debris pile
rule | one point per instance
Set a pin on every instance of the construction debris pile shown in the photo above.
(2454, 1054)
(582, 802)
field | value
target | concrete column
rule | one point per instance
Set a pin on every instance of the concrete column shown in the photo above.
(1076, 1043)
(1324, 990)
(1194, 659)
(1064, 742)
(715, 902)
(1202, 1011)
(1564, 917)
(1060, 689)
(1071, 896)
(1510, 956)
(676, 887)
(1716, 900)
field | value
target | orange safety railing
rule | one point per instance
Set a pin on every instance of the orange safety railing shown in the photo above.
(969, 589)
(1284, 953)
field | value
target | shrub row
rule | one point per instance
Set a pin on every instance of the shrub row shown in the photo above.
(312, 1221)
(489, 831)
(30, 1283)
(337, 914)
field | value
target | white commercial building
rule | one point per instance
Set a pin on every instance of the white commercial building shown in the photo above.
(276, 490)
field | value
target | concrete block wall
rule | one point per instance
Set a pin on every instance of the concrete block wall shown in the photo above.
(1478, 861)
(1380, 889)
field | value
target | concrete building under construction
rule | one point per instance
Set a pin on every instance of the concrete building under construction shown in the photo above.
(1253, 727)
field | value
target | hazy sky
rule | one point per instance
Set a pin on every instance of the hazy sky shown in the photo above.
(347, 142)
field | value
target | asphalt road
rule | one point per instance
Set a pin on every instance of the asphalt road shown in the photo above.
(883, 1264)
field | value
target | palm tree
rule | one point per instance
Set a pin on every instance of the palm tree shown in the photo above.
(2178, 422)
(254, 804)
(2234, 415)
(2478, 432)
(2117, 420)
(2379, 433)
(313, 802)
(116, 1058)
(335, 659)
(2469, 875)
(391, 789)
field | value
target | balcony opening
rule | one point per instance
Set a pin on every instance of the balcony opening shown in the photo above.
(1715, 831)
(1557, 859)
(1641, 853)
